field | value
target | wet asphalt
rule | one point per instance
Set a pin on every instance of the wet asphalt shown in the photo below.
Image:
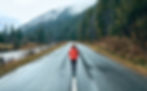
(53, 72)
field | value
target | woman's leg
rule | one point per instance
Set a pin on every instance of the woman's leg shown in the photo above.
(74, 68)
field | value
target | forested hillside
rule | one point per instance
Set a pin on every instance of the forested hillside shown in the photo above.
(118, 26)
(119, 18)
(64, 27)
(44, 29)
(116, 18)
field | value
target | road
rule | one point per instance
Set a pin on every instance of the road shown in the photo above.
(53, 72)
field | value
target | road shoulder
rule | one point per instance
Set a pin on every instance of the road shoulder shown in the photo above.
(5, 69)
(137, 68)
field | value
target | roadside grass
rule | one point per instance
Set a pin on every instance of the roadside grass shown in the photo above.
(29, 45)
(140, 68)
(8, 47)
(4, 47)
(31, 58)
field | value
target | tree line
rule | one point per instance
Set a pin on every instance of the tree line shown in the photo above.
(116, 18)
(18, 38)
(121, 18)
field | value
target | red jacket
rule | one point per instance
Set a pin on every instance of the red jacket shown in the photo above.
(73, 54)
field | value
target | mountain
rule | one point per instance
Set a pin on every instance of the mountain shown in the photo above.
(7, 21)
(49, 16)
(54, 24)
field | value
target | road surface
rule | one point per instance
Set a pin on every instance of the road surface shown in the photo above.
(53, 73)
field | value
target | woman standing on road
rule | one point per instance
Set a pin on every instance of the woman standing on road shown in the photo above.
(73, 55)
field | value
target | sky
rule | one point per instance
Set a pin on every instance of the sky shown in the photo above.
(25, 10)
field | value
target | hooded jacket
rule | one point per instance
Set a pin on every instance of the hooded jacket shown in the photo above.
(73, 54)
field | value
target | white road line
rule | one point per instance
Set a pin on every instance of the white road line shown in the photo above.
(74, 84)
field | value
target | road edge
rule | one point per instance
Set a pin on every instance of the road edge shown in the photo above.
(4, 70)
(137, 68)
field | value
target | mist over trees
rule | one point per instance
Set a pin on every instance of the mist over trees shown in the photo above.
(122, 18)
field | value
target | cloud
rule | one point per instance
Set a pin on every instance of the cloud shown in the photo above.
(25, 10)
(23, 2)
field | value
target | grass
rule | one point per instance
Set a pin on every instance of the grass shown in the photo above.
(137, 67)
(8, 47)
(29, 45)
(4, 47)
(16, 64)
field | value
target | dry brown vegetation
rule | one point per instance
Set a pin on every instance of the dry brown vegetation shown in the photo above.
(15, 64)
(124, 51)
(125, 48)
(4, 47)
(29, 45)
(8, 47)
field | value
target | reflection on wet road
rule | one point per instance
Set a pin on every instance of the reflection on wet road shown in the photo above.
(53, 72)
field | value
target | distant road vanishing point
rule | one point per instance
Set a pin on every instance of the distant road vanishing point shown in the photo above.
(52, 72)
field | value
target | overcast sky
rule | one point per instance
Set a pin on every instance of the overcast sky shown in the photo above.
(25, 10)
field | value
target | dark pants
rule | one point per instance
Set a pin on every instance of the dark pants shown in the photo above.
(74, 67)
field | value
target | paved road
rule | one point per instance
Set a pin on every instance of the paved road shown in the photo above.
(53, 73)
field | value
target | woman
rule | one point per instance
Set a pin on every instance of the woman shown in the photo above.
(73, 55)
